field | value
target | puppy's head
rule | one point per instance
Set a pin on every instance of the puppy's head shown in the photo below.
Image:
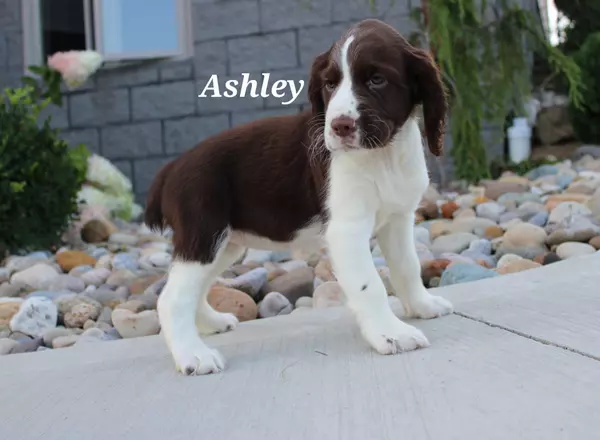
(367, 85)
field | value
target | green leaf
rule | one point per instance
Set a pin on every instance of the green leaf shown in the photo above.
(37, 69)
(17, 187)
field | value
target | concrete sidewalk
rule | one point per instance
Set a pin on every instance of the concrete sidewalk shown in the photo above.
(520, 359)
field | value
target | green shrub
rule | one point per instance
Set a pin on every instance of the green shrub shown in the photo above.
(40, 175)
(586, 121)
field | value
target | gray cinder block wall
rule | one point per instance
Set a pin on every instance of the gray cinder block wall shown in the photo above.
(143, 115)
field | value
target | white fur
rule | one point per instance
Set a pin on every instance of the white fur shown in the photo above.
(377, 192)
(184, 311)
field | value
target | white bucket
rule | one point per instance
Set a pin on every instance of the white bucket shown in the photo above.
(519, 140)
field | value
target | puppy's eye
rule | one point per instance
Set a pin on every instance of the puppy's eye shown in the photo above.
(376, 81)
(329, 85)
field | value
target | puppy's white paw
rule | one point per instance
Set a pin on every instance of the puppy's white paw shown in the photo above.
(212, 322)
(391, 336)
(196, 359)
(427, 306)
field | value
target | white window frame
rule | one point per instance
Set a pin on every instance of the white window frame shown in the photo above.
(32, 35)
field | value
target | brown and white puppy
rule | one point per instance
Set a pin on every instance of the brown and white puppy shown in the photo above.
(350, 168)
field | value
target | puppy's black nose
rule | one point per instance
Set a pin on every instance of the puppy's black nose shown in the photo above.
(343, 126)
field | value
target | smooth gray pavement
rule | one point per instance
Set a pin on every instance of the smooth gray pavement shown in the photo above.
(520, 359)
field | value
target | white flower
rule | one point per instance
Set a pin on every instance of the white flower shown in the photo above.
(74, 66)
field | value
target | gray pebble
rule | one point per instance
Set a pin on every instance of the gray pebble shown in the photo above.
(65, 341)
(50, 295)
(6, 346)
(304, 301)
(53, 333)
(105, 316)
(108, 297)
(250, 282)
(274, 304)
(65, 282)
(11, 290)
(27, 346)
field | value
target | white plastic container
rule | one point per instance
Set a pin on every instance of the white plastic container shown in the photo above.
(519, 140)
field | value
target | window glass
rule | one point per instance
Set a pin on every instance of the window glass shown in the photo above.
(139, 26)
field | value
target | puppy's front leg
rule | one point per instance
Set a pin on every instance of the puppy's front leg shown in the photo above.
(348, 243)
(396, 240)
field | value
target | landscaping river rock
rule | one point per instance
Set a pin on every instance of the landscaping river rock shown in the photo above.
(105, 283)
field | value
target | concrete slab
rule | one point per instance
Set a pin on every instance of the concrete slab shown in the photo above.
(311, 376)
(558, 303)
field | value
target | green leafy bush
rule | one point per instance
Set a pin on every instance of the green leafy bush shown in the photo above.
(586, 121)
(40, 175)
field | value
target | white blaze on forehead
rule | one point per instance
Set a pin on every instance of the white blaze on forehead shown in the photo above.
(344, 101)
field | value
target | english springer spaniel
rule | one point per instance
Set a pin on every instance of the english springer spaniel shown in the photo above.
(351, 168)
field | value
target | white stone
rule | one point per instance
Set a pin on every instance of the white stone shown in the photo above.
(291, 265)
(490, 210)
(304, 301)
(95, 277)
(422, 235)
(35, 316)
(6, 345)
(567, 209)
(328, 294)
(160, 259)
(36, 276)
(508, 259)
(134, 325)
(274, 304)
(573, 249)
(104, 262)
(453, 243)
(123, 238)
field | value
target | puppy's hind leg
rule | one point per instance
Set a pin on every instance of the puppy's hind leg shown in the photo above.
(187, 287)
(208, 320)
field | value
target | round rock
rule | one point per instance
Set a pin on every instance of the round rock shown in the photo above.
(274, 304)
(36, 276)
(574, 249)
(329, 294)
(227, 300)
(134, 325)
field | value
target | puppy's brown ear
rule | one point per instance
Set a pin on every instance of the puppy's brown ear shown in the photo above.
(315, 83)
(429, 91)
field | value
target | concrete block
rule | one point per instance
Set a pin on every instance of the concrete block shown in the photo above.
(125, 76)
(132, 140)
(225, 19)
(163, 100)
(316, 40)
(210, 58)
(183, 134)
(278, 15)
(176, 71)
(263, 53)
(90, 137)
(94, 109)
(145, 170)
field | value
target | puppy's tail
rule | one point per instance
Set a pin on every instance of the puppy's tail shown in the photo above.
(153, 215)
